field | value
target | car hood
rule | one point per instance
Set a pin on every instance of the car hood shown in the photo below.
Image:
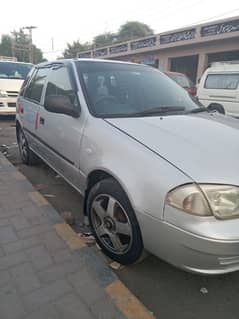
(10, 84)
(205, 146)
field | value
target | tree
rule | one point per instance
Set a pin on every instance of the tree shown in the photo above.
(104, 39)
(6, 45)
(133, 29)
(72, 49)
(17, 45)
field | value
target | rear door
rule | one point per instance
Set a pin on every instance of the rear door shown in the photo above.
(60, 134)
(29, 104)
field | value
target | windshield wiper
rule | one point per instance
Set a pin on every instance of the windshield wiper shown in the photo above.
(198, 110)
(160, 110)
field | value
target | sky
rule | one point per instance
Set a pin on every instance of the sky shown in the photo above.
(58, 24)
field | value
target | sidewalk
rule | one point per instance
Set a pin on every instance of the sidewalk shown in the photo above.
(46, 270)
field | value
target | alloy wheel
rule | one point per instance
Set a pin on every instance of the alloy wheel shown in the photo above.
(111, 224)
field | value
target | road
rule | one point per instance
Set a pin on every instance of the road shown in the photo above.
(168, 292)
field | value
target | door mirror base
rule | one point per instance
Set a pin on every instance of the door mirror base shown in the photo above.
(61, 104)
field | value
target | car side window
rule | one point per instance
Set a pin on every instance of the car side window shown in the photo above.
(35, 87)
(222, 81)
(24, 84)
(59, 83)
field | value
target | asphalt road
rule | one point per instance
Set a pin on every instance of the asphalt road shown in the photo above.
(168, 292)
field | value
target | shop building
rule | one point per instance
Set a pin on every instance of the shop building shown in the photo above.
(189, 50)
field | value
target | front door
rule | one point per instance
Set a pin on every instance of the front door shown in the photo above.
(61, 134)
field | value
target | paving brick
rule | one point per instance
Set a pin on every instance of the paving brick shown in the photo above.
(11, 204)
(38, 199)
(62, 255)
(52, 215)
(19, 222)
(69, 235)
(104, 275)
(4, 222)
(86, 286)
(21, 244)
(52, 241)
(6, 213)
(39, 256)
(4, 277)
(35, 230)
(31, 211)
(25, 278)
(12, 260)
(128, 304)
(37, 220)
(11, 306)
(7, 235)
(104, 309)
(46, 294)
(47, 312)
(71, 307)
(58, 271)
(1, 252)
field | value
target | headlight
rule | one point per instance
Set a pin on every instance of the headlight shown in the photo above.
(3, 93)
(222, 201)
(190, 199)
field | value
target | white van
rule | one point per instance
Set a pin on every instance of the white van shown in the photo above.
(219, 88)
(12, 75)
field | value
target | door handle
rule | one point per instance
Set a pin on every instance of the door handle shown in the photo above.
(42, 121)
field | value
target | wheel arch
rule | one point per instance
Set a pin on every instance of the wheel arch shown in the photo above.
(98, 175)
(215, 104)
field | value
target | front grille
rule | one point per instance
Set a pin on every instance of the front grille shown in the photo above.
(12, 93)
(12, 104)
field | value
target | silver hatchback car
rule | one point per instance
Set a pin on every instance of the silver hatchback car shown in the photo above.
(157, 171)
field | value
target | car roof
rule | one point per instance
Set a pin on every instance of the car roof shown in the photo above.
(232, 66)
(68, 61)
(16, 62)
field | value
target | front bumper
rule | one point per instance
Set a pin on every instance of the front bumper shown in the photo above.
(8, 105)
(199, 253)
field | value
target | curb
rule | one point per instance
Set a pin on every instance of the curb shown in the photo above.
(126, 302)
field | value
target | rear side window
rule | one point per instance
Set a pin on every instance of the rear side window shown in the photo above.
(222, 81)
(24, 84)
(35, 87)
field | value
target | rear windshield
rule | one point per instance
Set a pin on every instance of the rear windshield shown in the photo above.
(13, 70)
(181, 79)
(222, 81)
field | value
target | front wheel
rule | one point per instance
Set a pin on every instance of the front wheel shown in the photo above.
(113, 222)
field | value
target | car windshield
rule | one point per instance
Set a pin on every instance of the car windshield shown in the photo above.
(14, 70)
(128, 90)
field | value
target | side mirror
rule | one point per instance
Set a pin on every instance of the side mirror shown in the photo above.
(61, 104)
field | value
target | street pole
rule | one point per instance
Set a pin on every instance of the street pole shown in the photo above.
(30, 28)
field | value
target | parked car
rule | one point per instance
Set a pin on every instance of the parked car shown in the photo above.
(12, 75)
(183, 81)
(218, 88)
(150, 163)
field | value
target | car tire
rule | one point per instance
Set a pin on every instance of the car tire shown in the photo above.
(27, 156)
(216, 108)
(113, 222)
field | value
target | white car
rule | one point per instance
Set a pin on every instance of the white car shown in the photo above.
(218, 89)
(12, 75)
(157, 171)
